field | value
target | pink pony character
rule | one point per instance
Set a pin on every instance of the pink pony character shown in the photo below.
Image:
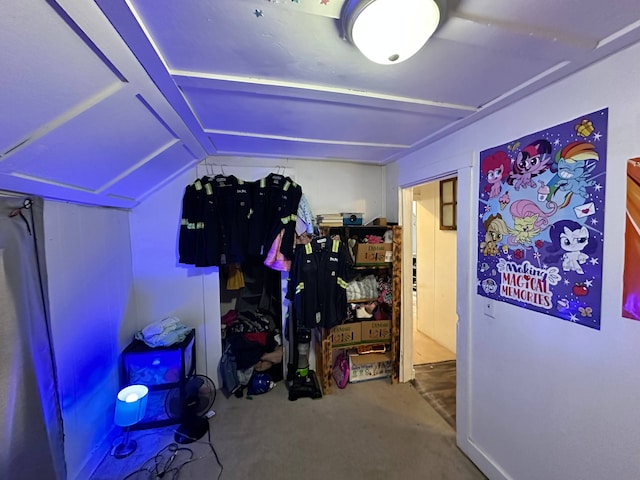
(496, 167)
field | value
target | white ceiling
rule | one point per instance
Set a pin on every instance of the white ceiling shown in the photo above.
(105, 101)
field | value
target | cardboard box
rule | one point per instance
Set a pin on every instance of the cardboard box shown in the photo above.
(376, 331)
(374, 253)
(346, 335)
(369, 366)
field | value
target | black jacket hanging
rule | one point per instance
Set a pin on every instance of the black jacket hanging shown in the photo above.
(224, 219)
(317, 283)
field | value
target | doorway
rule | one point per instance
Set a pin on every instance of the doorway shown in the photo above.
(434, 297)
(434, 242)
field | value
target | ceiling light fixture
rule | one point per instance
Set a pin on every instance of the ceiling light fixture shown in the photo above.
(389, 31)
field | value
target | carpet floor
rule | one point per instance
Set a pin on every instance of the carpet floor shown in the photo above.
(436, 382)
(371, 430)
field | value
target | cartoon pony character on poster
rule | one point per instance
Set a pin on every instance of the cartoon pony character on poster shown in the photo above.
(574, 164)
(496, 168)
(528, 221)
(496, 228)
(532, 160)
(569, 242)
(541, 212)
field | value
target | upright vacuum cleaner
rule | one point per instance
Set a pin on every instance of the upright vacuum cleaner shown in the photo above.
(303, 382)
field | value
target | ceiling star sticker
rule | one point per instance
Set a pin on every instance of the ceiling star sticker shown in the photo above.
(258, 13)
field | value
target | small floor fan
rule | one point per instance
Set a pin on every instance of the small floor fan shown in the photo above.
(191, 407)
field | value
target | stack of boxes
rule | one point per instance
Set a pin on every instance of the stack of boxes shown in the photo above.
(367, 366)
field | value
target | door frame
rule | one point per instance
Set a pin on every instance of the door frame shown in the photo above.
(464, 276)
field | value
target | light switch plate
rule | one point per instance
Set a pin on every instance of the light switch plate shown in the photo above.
(488, 307)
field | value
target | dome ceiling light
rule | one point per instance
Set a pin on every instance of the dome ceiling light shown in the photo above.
(389, 31)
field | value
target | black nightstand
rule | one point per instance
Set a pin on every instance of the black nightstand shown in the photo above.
(161, 369)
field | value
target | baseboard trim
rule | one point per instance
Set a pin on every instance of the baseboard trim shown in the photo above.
(483, 461)
(98, 455)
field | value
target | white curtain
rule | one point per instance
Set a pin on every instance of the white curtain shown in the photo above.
(31, 433)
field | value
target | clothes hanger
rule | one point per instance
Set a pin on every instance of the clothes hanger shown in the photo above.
(26, 205)
(207, 176)
(221, 174)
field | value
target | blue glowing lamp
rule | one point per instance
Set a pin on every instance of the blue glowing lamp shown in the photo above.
(131, 406)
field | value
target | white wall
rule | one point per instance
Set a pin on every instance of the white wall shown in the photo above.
(538, 397)
(436, 269)
(330, 187)
(164, 287)
(88, 259)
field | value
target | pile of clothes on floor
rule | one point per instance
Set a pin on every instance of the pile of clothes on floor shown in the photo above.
(252, 353)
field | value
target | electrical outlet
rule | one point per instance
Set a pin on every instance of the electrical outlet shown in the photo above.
(488, 308)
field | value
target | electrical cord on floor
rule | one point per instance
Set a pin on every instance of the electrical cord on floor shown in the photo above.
(210, 443)
(157, 468)
(166, 464)
(160, 466)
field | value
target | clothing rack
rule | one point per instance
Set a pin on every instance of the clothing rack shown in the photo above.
(243, 172)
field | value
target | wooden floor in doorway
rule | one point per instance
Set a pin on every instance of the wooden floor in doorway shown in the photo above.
(427, 350)
(435, 375)
(436, 382)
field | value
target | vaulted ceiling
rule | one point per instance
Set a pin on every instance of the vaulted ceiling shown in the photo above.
(106, 101)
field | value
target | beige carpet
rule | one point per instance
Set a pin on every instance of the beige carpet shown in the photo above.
(371, 430)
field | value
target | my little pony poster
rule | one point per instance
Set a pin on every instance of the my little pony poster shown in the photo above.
(541, 220)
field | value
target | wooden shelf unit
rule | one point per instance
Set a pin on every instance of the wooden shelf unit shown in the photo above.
(324, 346)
